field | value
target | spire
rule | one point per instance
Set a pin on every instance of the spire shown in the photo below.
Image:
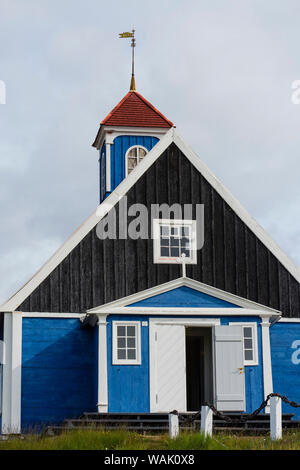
(131, 35)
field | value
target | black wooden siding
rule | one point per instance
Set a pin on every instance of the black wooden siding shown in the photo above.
(232, 258)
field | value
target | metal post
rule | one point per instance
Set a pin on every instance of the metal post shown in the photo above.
(275, 418)
(206, 420)
(173, 425)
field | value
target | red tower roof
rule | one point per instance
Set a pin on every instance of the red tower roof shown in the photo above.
(135, 111)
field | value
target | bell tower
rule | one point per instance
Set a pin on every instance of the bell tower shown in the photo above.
(127, 134)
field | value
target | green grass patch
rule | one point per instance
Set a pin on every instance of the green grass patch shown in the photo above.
(124, 440)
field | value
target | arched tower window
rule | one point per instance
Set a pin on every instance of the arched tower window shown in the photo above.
(133, 157)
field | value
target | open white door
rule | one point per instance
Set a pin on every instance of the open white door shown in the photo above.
(229, 368)
(167, 368)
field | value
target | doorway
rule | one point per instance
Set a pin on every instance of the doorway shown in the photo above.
(199, 367)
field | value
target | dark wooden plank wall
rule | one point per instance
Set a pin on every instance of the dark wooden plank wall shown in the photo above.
(232, 258)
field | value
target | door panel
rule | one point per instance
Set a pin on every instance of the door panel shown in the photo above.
(167, 368)
(229, 366)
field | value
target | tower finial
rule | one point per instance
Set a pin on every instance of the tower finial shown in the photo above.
(131, 35)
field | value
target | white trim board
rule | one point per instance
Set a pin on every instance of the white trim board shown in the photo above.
(121, 305)
(170, 137)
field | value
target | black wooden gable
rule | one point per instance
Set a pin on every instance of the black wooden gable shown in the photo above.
(232, 258)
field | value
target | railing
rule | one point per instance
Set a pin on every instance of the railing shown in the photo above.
(208, 410)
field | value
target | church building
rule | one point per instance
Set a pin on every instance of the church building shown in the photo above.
(168, 295)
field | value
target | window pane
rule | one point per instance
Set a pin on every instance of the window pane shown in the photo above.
(164, 242)
(132, 162)
(185, 242)
(132, 152)
(142, 153)
(248, 355)
(130, 330)
(121, 353)
(121, 343)
(164, 251)
(121, 330)
(175, 252)
(248, 343)
(186, 252)
(174, 241)
(130, 342)
(164, 231)
(131, 354)
(185, 231)
(247, 332)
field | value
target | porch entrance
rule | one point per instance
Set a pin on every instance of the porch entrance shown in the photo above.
(199, 367)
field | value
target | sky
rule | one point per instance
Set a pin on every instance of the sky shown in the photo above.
(221, 71)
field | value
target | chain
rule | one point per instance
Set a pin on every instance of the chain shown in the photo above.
(242, 419)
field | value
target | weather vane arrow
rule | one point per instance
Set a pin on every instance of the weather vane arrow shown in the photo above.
(130, 35)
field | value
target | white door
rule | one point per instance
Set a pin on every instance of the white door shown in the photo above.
(229, 367)
(167, 368)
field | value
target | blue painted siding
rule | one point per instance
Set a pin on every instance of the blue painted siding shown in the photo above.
(254, 382)
(118, 150)
(183, 297)
(285, 366)
(128, 386)
(58, 370)
(117, 156)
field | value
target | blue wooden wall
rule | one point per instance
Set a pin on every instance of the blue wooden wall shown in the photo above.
(285, 353)
(183, 297)
(117, 155)
(128, 386)
(59, 361)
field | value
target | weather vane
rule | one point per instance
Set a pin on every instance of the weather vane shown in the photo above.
(131, 35)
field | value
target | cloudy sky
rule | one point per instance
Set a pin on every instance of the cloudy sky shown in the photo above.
(221, 71)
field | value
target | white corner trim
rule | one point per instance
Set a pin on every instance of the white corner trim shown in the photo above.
(267, 364)
(108, 167)
(170, 136)
(187, 282)
(102, 404)
(11, 397)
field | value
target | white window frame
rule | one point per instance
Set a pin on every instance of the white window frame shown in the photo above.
(126, 156)
(157, 258)
(253, 326)
(115, 360)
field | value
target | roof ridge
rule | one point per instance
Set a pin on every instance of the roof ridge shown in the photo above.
(144, 101)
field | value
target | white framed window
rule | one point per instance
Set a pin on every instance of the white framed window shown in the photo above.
(172, 238)
(134, 156)
(126, 342)
(249, 343)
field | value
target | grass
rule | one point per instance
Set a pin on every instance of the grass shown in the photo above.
(124, 440)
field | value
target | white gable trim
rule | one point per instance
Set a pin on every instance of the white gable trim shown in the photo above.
(122, 305)
(122, 189)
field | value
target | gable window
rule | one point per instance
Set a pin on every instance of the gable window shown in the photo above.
(174, 238)
(133, 157)
(249, 343)
(126, 343)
